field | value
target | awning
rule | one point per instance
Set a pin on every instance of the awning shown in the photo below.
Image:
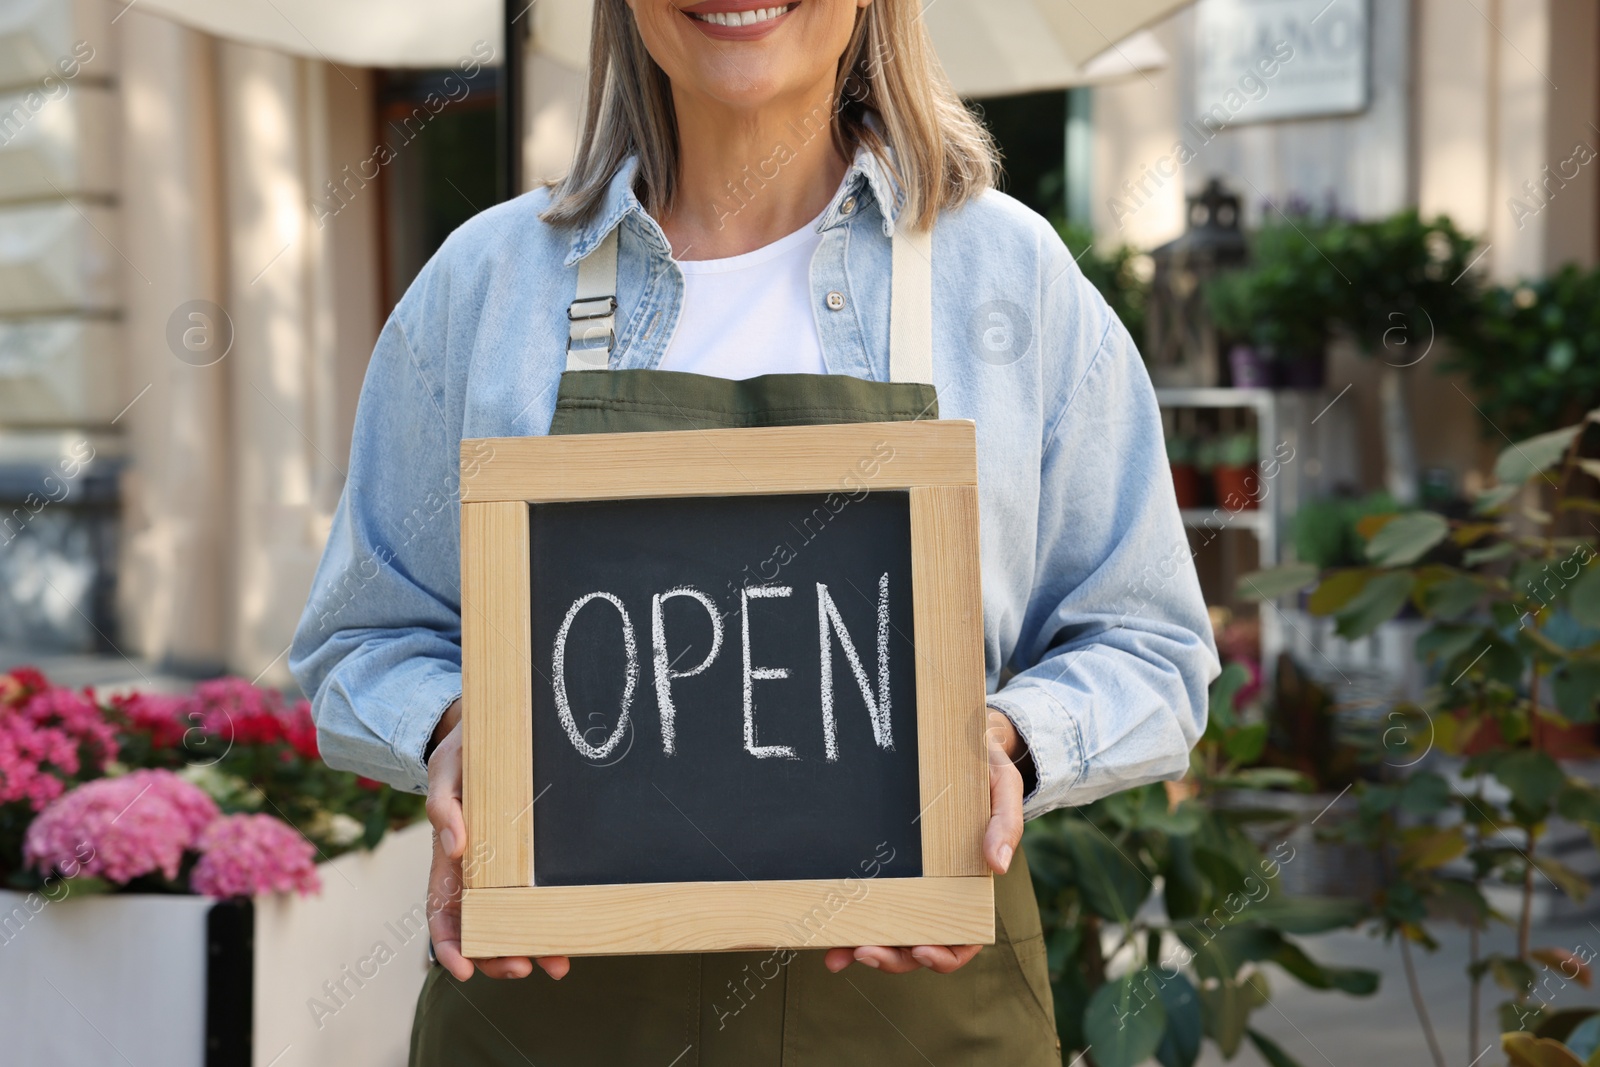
(360, 33)
(990, 47)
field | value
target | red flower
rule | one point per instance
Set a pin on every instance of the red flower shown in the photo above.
(158, 715)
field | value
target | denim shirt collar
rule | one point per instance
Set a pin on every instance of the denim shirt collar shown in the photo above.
(866, 172)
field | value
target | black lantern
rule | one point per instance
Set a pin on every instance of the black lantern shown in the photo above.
(1180, 342)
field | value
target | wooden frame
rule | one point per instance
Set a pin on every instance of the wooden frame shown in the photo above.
(503, 911)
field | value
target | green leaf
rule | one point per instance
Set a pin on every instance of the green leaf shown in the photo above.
(1509, 973)
(1446, 641)
(1180, 1044)
(1276, 582)
(1339, 588)
(1525, 1050)
(1227, 1011)
(1407, 538)
(1579, 802)
(1453, 598)
(1246, 744)
(1113, 887)
(1183, 888)
(1425, 793)
(1532, 776)
(1233, 678)
(1264, 778)
(1569, 881)
(1306, 914)
(1477, 557)
(1427, 848)
(1584, 600)
(1271, 1051)
(1577, 687)
(1491, 500)
(1523, 460)
(1379, 602)
(1125, 1019)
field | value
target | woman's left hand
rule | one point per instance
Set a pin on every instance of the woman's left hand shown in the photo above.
(1000, 843)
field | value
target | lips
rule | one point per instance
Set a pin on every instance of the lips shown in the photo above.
(738, 20)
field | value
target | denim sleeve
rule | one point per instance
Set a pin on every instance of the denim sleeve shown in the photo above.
(378, 648)
(1115, 653)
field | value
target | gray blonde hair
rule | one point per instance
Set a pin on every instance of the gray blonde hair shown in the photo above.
(942, 155)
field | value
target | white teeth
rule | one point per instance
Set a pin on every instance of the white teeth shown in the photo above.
(742, 18)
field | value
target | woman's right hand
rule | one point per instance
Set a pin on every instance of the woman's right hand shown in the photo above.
(444, 877)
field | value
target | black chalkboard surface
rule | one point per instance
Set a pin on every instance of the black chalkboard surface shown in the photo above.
(812, 602)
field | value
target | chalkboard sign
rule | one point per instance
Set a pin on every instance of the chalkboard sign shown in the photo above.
(723, 689)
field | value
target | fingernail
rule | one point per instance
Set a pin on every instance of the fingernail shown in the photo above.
(868, 960)
(1006, 852)
(448, 840)
(922, 957)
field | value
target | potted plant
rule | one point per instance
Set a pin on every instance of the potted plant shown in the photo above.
(200, 840)
(1325, 531)
(1533, 356)
(1238, 485)
(1230, 301)
(1405, 284)
(1181, 451)
(1514, 638)
(1137, 978)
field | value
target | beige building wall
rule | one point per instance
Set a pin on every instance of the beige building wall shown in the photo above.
(237, 450)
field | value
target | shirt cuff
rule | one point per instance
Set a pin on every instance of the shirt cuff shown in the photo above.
(416, 730)
(1054, 741)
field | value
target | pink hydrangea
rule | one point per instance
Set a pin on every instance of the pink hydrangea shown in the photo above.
(25, 749)
(79, 717)
(121, 828)
(245, 855)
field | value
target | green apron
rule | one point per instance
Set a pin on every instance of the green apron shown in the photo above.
(749, 1009)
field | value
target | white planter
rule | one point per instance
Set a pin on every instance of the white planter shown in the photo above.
(114, 979)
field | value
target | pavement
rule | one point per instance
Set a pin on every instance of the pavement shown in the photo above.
(1332, 1029)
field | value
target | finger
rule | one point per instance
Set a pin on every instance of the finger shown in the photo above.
(1004, 832)
(887, 960)
(444, 913)
(555, 966)
(837, 959)
(944, 958)
(444, 798)
(506, 967)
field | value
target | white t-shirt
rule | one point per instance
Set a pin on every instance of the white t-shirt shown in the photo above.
(751, 314)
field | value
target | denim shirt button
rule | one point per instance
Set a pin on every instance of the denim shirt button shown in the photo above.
(835, 301)
(848, 206)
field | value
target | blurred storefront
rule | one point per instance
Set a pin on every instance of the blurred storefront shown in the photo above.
(206, 211)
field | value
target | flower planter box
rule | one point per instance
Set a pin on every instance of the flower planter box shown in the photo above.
(181, 981)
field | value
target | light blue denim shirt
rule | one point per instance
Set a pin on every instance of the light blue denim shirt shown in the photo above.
(1091, 604)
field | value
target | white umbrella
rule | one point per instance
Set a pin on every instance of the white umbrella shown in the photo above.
(360, 33)
(990, 47)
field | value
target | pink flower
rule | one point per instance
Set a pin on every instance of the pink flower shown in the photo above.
(120, 828)
(236, 711)
(156, 714)
(246, 855)
(79, 717)
(25, 748)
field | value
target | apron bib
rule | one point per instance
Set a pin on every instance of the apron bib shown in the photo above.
(778, 1008)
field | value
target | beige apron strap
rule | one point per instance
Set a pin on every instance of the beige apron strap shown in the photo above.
(592, 316)
(911, 307)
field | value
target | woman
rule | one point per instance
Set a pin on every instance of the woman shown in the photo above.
(777, 214)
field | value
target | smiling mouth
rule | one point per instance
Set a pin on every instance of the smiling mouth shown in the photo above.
(743, 18)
